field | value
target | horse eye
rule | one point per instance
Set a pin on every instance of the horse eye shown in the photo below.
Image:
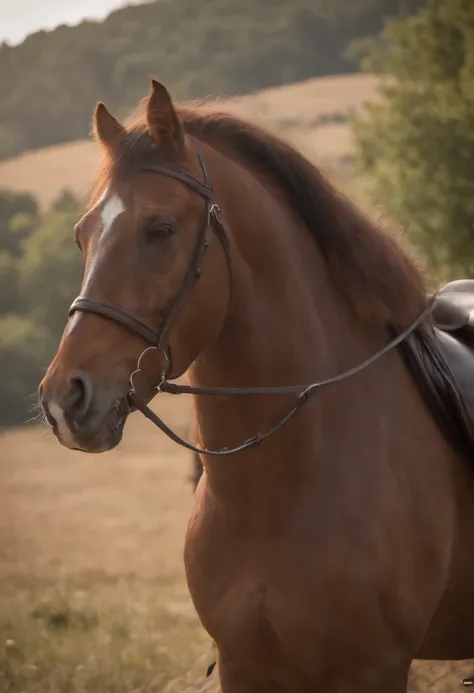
(159, 232)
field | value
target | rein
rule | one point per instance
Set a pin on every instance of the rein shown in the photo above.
(305, 393)
(142, 390)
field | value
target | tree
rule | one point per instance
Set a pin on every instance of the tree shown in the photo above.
(49, 83)
(24, 347)
(50, 271)
(40, 273)
(18, 217)
(416, 143)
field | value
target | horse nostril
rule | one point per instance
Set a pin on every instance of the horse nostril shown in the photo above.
(79, 397)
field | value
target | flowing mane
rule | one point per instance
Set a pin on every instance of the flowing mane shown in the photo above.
(371, 268)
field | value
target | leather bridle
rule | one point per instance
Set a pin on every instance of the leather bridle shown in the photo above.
(143, 387)
(159, 339)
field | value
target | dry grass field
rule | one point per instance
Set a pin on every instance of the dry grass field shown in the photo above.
(92, 591)
(310, 114)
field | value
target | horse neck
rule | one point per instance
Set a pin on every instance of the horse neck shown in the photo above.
(288, 325)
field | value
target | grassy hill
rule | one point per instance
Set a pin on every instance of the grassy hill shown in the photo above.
(312, 114)
(50, 82)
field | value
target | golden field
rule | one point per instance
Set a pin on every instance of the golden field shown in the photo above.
(92, 591)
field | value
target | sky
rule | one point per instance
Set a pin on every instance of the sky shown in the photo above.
(18, 18)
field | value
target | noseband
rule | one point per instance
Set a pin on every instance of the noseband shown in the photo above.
(143, 383)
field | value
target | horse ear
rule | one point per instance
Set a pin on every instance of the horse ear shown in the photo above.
(161, 117)
(106, 129)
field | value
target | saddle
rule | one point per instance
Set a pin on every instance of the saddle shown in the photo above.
(441, 359)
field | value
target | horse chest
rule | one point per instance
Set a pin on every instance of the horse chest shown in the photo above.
(276, 629)
(244, 613)
(250, 605)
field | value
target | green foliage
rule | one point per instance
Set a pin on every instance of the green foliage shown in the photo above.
(8, 282)
(416, 145)
(40, 273)
(50, 83)
(23, 347)
(51, 270)
(18, 215)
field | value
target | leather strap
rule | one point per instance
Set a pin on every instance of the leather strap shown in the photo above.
(305, 393)
(302, 390)
(203, 190)
(105, 310)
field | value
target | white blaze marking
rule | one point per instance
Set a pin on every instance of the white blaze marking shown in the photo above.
(111, 210)
(63, 429)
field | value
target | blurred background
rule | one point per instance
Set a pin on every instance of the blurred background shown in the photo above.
(378, 93)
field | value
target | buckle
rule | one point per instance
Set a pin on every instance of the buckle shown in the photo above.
(143, 378)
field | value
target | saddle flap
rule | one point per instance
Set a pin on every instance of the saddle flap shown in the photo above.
(460, 359)
(443, 369)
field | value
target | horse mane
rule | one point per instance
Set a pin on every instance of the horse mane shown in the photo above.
(374, 271)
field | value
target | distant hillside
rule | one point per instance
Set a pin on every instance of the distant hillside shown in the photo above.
(50, 82)
(312, 114)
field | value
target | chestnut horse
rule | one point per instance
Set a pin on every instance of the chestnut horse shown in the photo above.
(338, 549)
